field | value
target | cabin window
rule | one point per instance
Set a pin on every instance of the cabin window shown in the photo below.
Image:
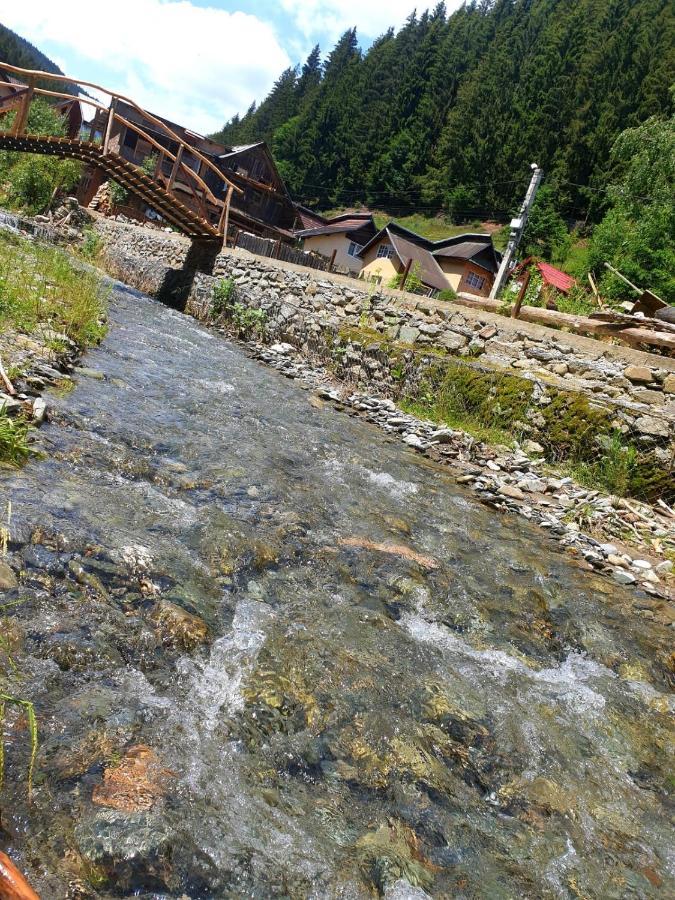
(476, 281)
(354, 248)
(385, 251)
(130, 139)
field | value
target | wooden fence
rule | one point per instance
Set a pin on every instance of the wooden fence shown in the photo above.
(279, 250)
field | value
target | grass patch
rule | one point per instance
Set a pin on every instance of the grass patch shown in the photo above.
(42, 286)
(484, 404)
(435, 228)
(14, 448)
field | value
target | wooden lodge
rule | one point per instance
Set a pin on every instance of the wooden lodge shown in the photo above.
(263, 207)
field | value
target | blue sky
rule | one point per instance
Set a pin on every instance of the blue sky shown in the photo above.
(195, 61)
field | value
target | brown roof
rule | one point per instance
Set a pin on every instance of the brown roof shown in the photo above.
(430, 272)
(463, 250)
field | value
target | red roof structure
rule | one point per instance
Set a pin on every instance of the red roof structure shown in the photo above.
(550, 275)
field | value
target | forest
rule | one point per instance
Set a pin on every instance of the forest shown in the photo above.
(446, 115)
(450, 111)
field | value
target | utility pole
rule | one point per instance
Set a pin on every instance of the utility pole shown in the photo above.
(517, 230)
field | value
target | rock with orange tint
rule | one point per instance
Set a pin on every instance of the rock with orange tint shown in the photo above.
(136, 783)
(428, 562)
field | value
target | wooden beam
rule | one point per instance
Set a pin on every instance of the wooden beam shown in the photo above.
(19, 127)
(515, 310)
(225, 217)
(109, 126)
(406, 272)
(176, 167)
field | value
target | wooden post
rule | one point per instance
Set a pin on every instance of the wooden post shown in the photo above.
(236, 238)
(277, 249)
(176, 167)
(158, 166)
(594, 288)
(109, 126)
(21, 120)
(332, 260)
(225, 216)
(515, 309)
(404, 277)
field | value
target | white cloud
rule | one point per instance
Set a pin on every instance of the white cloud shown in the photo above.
(196, 65)
(318, 18)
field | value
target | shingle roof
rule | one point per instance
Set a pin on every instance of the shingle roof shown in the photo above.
(430, 272)
(462, 250)
(550, 275)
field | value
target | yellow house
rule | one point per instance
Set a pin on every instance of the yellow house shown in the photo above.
(340, 239)
(467, 262)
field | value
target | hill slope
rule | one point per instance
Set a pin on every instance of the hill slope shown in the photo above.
(17, 51)
(448, 113)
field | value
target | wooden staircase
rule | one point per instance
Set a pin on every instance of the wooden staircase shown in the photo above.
(133, 179)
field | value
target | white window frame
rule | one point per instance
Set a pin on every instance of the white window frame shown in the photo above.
(476, 281)
(354, 249)
(385, 251)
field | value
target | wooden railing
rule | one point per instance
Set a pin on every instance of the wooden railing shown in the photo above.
(23, 95)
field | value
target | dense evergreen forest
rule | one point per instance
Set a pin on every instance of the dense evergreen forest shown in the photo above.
(17, 51)
(448, 113)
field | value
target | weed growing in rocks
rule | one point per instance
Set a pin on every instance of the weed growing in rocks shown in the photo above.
(42, 286)
(224, 293)
(14, 448)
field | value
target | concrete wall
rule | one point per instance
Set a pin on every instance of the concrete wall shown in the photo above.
(313, 309)
(326, 243)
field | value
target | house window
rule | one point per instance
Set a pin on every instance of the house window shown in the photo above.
(130, 139)
(385, 251)
(475, 281)
(354, 248)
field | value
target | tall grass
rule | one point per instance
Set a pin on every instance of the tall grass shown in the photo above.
(14, 448)
(41, 286)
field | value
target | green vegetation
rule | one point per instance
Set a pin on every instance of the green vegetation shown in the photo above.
(14, 448)
(91, 245)
(413, 283)
(19, 52)
(637, 235)
(42, 286)
(246, 320)
(445, 115)
(29, 182)
(223, 296)
(118, 194)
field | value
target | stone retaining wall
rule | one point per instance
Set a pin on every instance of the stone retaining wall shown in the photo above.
(391, 340)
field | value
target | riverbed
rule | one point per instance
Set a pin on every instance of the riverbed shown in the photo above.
(272, 653)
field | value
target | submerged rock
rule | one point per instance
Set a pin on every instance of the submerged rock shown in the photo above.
(8, 579)
(135, 784)
(179, 628)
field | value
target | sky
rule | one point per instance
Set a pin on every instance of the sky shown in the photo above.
(196, 62)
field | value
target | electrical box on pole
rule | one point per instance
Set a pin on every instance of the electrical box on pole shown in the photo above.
(517, 226)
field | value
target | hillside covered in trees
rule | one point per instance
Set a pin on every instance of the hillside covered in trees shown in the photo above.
(17, 51)
(448, 113)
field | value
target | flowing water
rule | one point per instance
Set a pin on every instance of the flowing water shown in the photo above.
(482, 719)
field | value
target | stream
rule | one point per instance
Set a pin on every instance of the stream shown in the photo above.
(274, 653)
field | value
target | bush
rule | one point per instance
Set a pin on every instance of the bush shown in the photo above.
(30, 182)
(447, 294)
(224, 293)
(118, 194)
(91, 245)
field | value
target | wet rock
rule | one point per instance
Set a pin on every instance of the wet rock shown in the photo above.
(136, 783)
(89, 373)
(126, 846)
(623, 577)
(391, 854)
(179, 628)
(403, 890)
(8, 579)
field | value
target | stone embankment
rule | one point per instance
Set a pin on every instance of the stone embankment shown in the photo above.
(378, 345)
